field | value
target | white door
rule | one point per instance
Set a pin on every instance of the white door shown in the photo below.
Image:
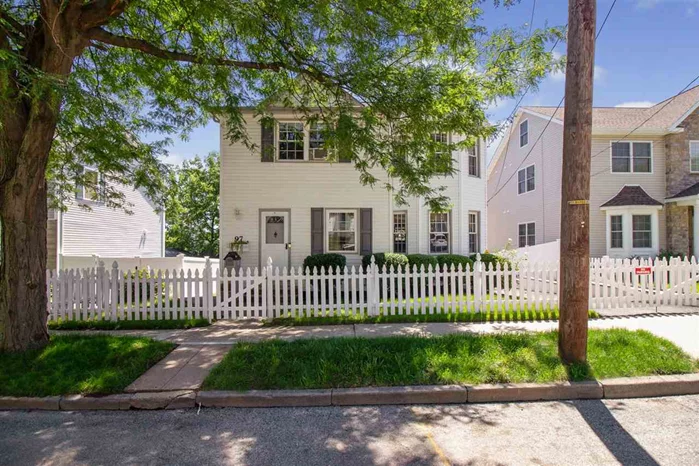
(275, 238)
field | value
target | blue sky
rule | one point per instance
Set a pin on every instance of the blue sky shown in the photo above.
(648, 51)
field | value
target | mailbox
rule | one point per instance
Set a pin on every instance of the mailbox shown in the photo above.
(232, 261)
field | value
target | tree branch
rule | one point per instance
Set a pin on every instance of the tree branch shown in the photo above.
(100, 35)
(100, 12)
(16, 25)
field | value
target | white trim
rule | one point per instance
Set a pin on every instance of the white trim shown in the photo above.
(277, 144)
(631, 158)
(627, 213)
(545, 117)
(519, 132)
(690, 142)
(609, 227)
(525, 179)
(326, 214)
(527, 233)
(684, 116)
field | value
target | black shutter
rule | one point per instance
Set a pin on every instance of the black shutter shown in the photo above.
(267, 140)
(365, 229)
(317, 230)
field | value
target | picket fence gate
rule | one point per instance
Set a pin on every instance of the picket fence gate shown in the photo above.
(101, 294)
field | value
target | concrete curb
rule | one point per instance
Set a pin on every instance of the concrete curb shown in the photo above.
(631, 387)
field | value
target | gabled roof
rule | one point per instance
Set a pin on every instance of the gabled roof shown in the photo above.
(670, 112)
(691, 191)
(631, 195)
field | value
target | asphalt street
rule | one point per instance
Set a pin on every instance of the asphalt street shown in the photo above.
(634, 432)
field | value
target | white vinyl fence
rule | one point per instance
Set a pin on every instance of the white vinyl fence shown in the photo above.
(112, 294)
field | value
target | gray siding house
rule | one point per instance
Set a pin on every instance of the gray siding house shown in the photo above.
(644, 179)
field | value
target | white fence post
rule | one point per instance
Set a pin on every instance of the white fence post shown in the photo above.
(208, 291)
(114, 277)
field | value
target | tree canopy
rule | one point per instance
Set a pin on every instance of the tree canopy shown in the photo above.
(166, 66)
(191, 207)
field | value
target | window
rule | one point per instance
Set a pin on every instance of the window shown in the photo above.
(525, 180)
(474, 163)
(439, 233)
(316, 143)
(642, 235)
(617, 231)
(527, 234)
(89, 190)
(694, 156)
(291, 138)
(524, 133)
(400, 232)
(632, 157)
(474, 232)
(442, 138)
(342, 230)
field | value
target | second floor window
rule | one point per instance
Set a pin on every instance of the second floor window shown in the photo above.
(632, 157)
(90, 189)
(694, 156)
(526, 180)
(291, 141)
(316, 142)
(474, 163)
(524, 133)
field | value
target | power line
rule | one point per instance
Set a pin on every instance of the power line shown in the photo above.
(599, 31)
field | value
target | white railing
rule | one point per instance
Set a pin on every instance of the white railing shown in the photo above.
(112, 294)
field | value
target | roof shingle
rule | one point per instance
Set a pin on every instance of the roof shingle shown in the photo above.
(630, 196)
(691, 191)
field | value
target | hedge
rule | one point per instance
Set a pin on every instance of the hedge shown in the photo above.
(324, 261)
(421, 259)
(386, 258)
(456, 259)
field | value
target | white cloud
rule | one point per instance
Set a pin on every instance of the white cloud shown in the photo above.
(639, 103)
(600, 74)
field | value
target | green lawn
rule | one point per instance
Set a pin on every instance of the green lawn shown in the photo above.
(383, 318)
(439, 311)
(450, 359)
(73, 364)
(127, 324)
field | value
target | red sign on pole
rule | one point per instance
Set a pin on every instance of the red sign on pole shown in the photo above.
(642, 270)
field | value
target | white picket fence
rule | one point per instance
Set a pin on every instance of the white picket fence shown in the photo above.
(98, 293)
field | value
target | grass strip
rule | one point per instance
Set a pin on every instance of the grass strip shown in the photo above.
(449, 359)
(79, 364)
(164, 324)
(383, 318)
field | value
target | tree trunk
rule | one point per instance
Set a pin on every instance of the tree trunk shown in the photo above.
(29, 119)
(23, 268)
(575, 190)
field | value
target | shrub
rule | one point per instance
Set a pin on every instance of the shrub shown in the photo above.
(421, 259)
(456, 259)
(492, 260)
(386, 258)
(324, 261)
(667, 255)
(137, 286)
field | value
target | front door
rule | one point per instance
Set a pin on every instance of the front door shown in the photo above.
(274, 227)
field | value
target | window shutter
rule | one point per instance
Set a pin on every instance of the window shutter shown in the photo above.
(267, 140)
(365, 229)
(317, 231)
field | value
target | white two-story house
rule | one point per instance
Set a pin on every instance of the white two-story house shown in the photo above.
(644, 179)
(88, 227)
(290, 202)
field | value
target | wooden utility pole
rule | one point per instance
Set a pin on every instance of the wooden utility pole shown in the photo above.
(575, 189)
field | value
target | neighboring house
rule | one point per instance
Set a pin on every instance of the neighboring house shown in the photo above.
(105, 231)
(644, 185)
(290, 202)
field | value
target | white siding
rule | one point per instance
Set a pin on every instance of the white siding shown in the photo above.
(112, 232)
(507, 209)
(248, 185)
